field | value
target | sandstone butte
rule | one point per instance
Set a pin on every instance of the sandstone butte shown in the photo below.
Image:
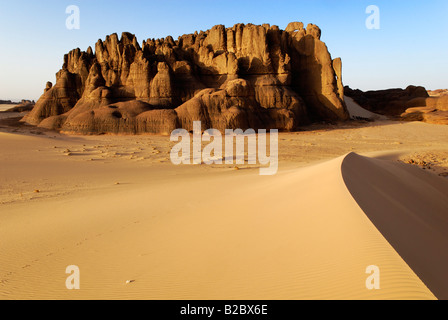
(246, 76)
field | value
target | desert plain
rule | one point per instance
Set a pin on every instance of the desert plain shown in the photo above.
(140, 227)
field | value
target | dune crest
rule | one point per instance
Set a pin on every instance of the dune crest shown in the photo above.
(410, 208)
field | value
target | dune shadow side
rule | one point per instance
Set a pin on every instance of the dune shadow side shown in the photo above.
(410, 208)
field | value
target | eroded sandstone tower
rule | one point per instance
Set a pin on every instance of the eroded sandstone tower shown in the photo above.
(246, 76)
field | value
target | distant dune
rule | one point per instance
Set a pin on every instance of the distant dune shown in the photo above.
(357, 112)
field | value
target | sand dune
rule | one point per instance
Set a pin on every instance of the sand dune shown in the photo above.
(120, 210)
(410, 208)
(357, 112)
(235, 235)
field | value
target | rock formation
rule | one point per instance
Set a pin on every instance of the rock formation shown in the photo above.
(6, 102)
(23, 106)
(431, 110)
(389, 102)
(438, 92)
(410, 104)
(246, 76)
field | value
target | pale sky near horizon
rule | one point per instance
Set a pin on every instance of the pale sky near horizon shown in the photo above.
(410, 47)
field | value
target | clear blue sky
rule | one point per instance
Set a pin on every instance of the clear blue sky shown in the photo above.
(411, 46)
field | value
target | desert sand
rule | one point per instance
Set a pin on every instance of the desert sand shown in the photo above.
(4, 107)
(139, 227)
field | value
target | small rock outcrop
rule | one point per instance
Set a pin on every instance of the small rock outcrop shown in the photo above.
(6, 102)
(246, 76)
(410, 104)
(431, 110)
(23, 106)
(389, 102)
(438, 92)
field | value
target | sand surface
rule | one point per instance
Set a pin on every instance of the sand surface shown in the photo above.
(116, 207)
(357, 112)
(4, 107)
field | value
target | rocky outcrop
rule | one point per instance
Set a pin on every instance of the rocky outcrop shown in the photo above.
(239, 77)
(431, 110)
(410, 104)
(22, 106)
(438, 92)
(389, 102)
(6, 102)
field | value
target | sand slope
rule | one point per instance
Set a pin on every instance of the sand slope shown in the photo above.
(357, 112)
(225, 235)
(410, 208)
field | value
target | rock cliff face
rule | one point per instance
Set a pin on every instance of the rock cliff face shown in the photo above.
(246, 76)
